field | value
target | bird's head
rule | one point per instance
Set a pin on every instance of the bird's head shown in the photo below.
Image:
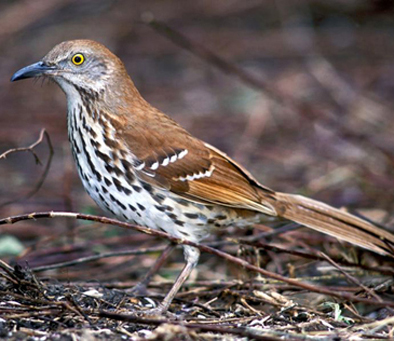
(78, 65)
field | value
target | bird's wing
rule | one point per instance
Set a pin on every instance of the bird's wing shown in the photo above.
(194, 169)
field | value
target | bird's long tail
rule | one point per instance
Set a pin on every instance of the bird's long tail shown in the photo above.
(335, 222)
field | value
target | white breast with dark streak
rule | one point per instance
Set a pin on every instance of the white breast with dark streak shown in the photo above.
(109, 179)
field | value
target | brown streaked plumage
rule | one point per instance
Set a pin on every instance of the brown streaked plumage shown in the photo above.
(141, 166)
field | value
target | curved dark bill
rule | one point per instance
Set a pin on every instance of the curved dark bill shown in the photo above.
(33, 70)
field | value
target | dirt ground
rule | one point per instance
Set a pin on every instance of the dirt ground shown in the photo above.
(299, 92)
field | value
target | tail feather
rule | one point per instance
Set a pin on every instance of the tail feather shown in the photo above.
(335, 222)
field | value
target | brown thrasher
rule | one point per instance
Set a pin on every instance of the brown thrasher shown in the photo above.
(142, 167)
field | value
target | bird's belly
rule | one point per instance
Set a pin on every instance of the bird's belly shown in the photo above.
(159, 209)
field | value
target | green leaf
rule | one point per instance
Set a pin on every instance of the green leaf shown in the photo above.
(9, 245)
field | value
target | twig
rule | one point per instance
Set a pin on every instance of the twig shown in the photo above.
(140, 287)
(29, 149)
(228, 257)
(38, 161)
(350, 277)
(6, 267)
(70, 299)
(96, 257)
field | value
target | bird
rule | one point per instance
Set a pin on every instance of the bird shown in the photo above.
(141, 166)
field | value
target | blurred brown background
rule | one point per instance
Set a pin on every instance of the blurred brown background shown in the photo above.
(318, 119)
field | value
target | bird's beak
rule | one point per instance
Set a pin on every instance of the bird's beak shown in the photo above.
(33, 70)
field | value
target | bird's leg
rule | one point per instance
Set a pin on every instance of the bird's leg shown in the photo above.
(192, 256)
(140, 287)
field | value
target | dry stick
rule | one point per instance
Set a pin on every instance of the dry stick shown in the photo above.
(241, 262)
(140, 287)
(351, 278)
(26, 149)
(8, 269)
(96, 257)
(37, 159)
(9, 279)
(41, 252)
(70, 299)
(223, 320)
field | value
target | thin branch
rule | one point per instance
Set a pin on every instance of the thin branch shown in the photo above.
(351, 278)
(96, 257)
(38, 161)
(29, 149)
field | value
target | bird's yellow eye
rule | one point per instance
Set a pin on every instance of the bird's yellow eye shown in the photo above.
(78, 59)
